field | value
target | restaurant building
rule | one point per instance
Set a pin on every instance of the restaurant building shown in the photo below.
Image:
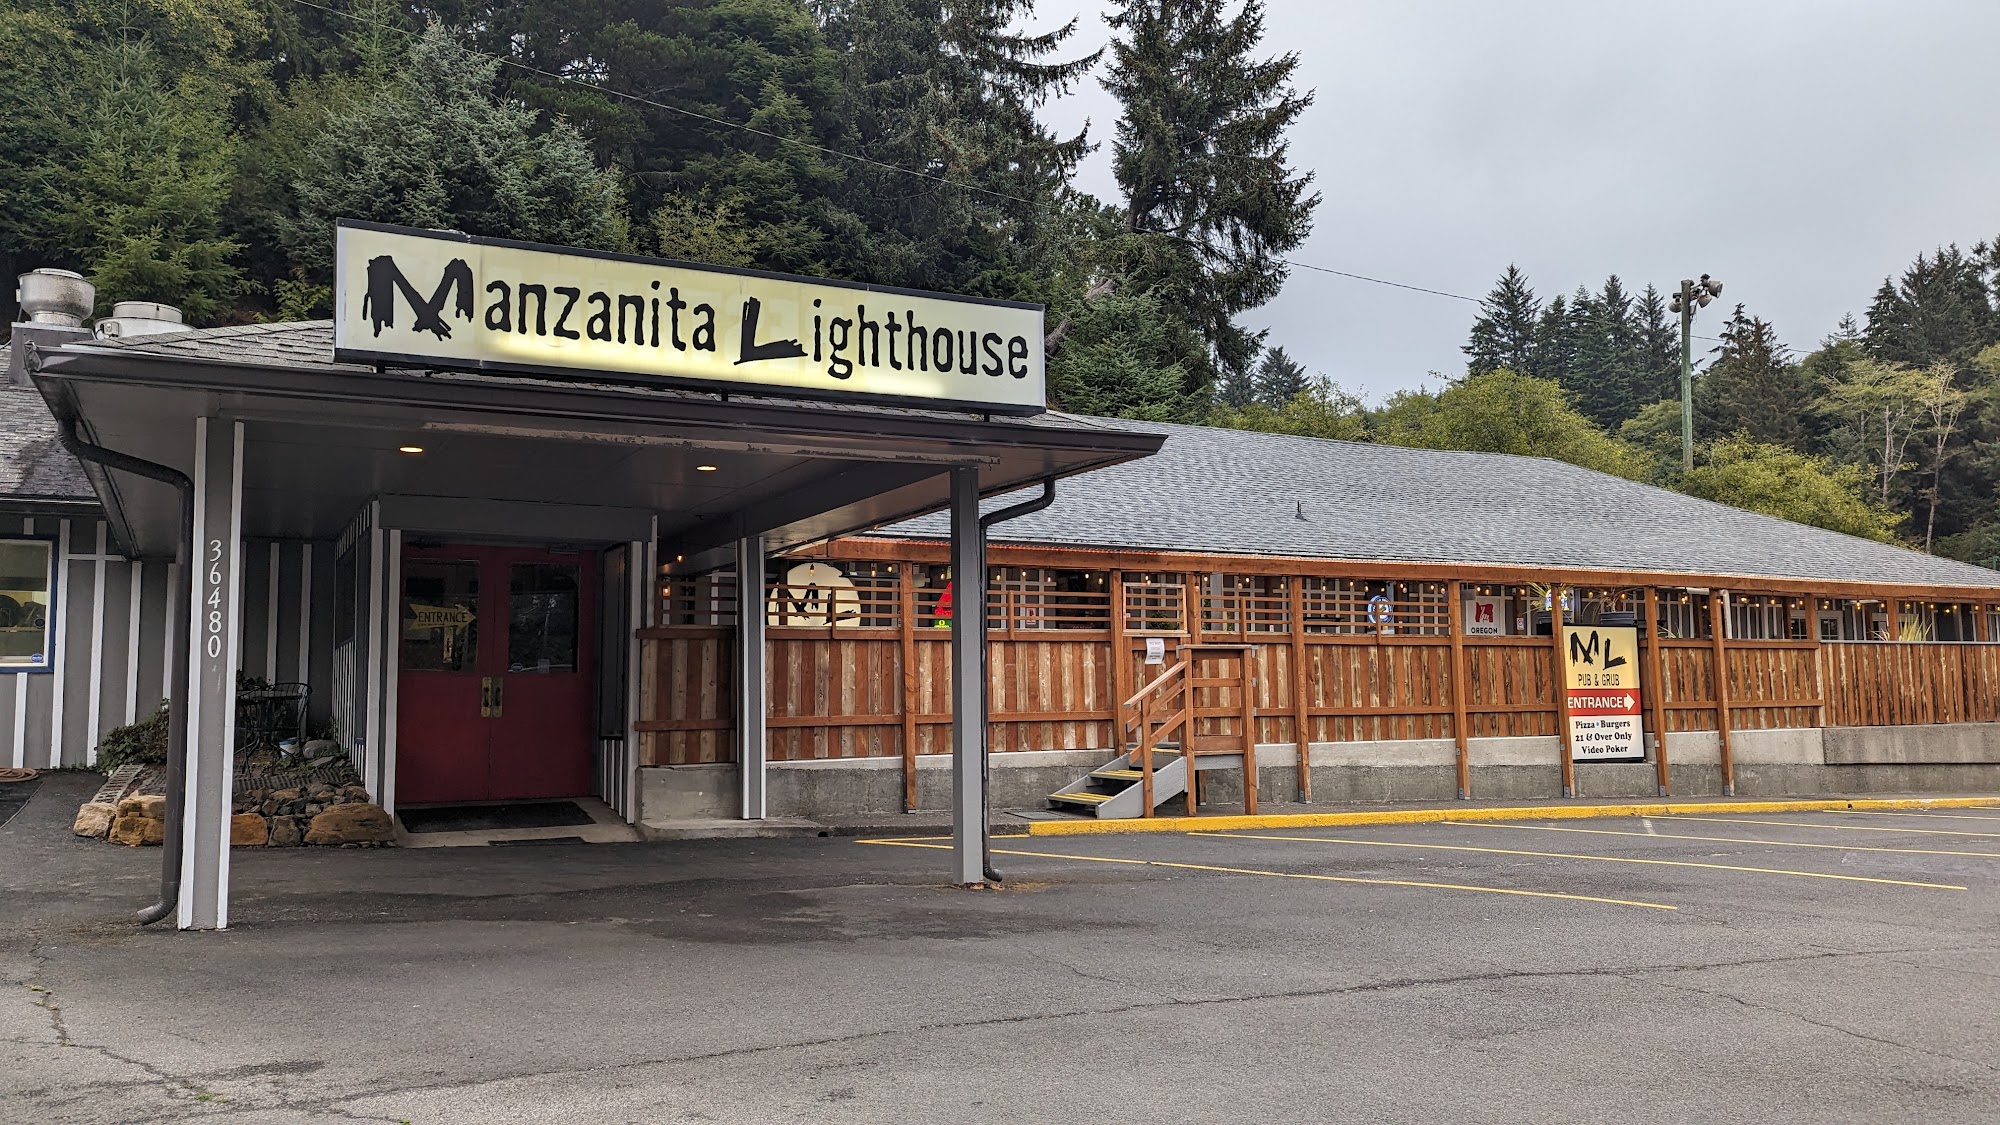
(495, 517)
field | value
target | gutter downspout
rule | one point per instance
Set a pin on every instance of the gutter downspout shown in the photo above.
(1026, 507)
(170, 857)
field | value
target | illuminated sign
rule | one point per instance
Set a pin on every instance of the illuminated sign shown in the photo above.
(436, 299)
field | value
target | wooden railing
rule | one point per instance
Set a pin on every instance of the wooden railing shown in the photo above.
(852, 692)
(1158, 711)
(1902, 684)
(1209, 699)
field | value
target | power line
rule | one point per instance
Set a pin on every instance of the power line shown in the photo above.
(865, 160)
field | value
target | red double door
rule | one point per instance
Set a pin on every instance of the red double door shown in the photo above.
(495, 688)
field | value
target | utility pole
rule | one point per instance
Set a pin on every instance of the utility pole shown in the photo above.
(1693, 295)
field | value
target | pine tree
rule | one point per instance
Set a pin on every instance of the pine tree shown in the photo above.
(1753, 388)
(949, 90)
(1279, 379)
(1939, 311)
(751, 107)
(1202, 157)
(1122, 360)
(1236, 390)
(142, 202)
(1658, 374)
(437, 149)
(1503, 336)
(1605, 370)
(1555, 342)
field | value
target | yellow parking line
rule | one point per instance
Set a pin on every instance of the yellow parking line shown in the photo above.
(1900, 812)
(1299, 875)
(1572, 855)
(1722, 839)
(1833, 827)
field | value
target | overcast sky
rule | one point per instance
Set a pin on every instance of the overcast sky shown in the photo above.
(1800, 151)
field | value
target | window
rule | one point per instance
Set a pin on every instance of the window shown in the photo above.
(25, 591)
(1365, 607)
(440, 615)
(1155, 603)
(1245, 603)
(1032, 597)
(542, 617)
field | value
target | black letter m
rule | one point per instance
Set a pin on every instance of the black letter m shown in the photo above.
(385, 281)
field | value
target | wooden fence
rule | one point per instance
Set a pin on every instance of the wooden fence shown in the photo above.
(884, 691)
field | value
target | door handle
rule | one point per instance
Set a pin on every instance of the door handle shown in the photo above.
(499, 694)
(489, 697)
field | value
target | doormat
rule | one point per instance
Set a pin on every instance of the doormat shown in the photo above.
(493, 818)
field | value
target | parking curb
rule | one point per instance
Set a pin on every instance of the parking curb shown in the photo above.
(1225, 823)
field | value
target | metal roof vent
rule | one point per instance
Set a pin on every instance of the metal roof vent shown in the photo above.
(52, 296)
(140, 318)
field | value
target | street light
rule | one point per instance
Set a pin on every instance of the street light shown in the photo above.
(1693, 295)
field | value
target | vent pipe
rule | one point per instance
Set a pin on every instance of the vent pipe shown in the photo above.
(140, 318)
(61, 298)
(53, 304)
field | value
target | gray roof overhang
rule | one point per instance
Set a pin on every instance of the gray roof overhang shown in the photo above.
(321, 439)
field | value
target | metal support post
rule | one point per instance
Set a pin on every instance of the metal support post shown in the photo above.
(968, 684)
(752, 750)
(211, 710)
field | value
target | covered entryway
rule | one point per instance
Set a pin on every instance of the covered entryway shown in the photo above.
(475, 479)
(495, 678)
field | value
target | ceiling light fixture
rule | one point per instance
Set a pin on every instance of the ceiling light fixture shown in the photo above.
(410, 449)
(704, 468)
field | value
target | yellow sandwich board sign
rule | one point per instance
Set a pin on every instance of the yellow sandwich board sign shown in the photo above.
(1601, 676)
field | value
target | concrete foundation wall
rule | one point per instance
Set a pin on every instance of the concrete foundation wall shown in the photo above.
(1937, 759)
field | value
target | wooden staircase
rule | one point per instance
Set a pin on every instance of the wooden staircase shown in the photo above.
(1175, 720)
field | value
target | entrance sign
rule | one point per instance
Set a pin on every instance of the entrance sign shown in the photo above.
(439, 299)
(1601, 676)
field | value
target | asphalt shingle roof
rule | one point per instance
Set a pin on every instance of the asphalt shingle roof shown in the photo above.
(33, 463)
(1235, 492)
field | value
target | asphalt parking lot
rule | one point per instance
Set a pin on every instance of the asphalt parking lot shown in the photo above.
(1802, 967)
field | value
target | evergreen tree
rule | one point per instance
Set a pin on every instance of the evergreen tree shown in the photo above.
(1279, 379)
(1122, 360)
(141, 203)
(1939, 311)
(437, 149)
(1606, 368)
(1753, 388)
(1203, 161)
(949, 90)
(117, 154)
(1235, 391)
(1657, 373)
(1555, 342)
(1504, 333)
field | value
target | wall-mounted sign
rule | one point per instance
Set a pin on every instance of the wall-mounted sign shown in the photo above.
(815, 595)
(437, 299)
(1156, 650)
(1485, 617)
(1601, 675)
